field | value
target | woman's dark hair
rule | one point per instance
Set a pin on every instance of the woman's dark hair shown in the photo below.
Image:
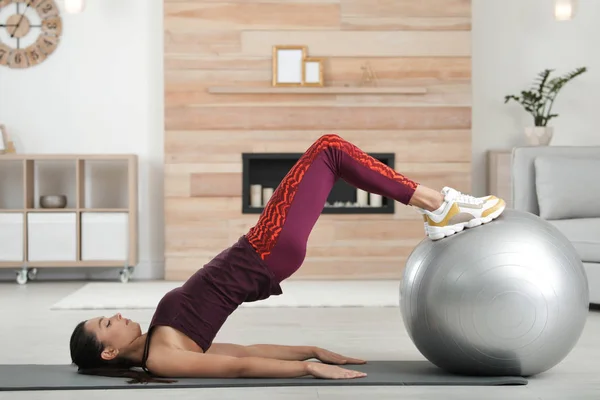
(86, 353)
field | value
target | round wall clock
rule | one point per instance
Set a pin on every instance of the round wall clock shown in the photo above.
(29, 32)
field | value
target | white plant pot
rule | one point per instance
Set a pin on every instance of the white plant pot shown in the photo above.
(539, 135)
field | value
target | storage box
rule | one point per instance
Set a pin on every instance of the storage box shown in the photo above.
(52, 236)
(11, 236)
(104, 236)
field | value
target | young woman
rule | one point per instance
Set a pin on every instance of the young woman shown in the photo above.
(179, 342)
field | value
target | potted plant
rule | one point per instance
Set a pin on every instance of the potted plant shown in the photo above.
(538, 101)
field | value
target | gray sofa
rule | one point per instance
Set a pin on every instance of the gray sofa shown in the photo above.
(562, 185)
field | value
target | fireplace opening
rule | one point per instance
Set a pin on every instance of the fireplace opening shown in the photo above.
(262, 172)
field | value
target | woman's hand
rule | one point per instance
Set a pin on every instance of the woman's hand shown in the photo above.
(330, 357)
(325, 371)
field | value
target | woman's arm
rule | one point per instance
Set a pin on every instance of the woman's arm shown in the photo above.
(186, 364)
(280, 352)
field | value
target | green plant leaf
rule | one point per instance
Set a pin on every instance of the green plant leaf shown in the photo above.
(538, 101)
(540, 82)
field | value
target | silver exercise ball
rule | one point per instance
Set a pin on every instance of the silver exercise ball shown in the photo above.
(506, 298)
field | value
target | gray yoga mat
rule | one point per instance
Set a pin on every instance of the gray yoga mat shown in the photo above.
(380, 373)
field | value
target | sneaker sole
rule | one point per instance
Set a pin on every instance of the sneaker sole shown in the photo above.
(437, 233)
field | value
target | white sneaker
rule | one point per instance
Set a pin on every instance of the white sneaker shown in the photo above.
(460, 211)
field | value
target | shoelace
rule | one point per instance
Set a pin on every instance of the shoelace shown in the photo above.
(465, 198)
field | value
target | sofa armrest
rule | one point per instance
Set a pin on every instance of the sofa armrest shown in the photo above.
(524, 194)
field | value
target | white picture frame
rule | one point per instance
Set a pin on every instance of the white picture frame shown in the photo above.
(313, 71)
(288, 65)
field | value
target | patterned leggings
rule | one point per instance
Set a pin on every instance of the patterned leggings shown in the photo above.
(281, 233)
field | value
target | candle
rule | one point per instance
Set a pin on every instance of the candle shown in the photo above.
(255, 195)
(266, 195)
(375, 200)
(362, 198)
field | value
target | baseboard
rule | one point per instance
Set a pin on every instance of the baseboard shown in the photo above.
(145, 270)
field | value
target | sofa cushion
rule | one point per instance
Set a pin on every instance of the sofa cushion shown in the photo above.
(584, 233)
(567, 187)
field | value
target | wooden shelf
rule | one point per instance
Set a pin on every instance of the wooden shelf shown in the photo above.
(67, 157)
(73, 264)
(54, 210)
(94, 184)
(64, 264)
(58, 210)
(315, 90)
(101, 210)
(50, 210)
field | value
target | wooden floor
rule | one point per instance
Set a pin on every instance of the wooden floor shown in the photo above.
(31, 333)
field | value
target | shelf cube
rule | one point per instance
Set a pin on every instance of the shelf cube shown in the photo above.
(53, 177)
(105, 184)
(11, 185)
(11, 237)
(104, 236)
(52, 236)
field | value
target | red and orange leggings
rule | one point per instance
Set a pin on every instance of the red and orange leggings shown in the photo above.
(281, 233)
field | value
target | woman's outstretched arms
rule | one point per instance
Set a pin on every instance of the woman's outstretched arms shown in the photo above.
(280, 352)
(289, 353)
(186, 364)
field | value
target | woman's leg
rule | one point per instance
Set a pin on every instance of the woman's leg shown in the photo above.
(281, 233)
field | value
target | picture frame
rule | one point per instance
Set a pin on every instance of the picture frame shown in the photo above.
(312, 72)
(3, 140)
(288, 65)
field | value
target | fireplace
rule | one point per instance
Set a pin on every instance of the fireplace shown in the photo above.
(262, 172)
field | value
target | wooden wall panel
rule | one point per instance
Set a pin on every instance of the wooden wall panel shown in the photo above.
(325, 118)
(450, 95)
(424, 43)
(407, 8)
(216, 185)
(406, 15)
(369, 43)
(401, 70)
(224, 15)
(364, 23)
(208, 43)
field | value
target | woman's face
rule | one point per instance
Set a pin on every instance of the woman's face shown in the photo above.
(115, 333)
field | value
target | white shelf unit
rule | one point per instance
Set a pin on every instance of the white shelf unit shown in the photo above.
(97, 228)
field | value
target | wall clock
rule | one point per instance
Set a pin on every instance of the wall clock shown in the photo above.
(29, 32)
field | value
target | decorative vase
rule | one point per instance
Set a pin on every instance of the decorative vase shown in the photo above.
(539, 135)
(53, 201)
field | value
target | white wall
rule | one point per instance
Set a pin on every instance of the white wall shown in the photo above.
(513, 40)
(100, 92)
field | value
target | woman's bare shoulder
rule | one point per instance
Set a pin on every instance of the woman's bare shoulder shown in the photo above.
(168, 337)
